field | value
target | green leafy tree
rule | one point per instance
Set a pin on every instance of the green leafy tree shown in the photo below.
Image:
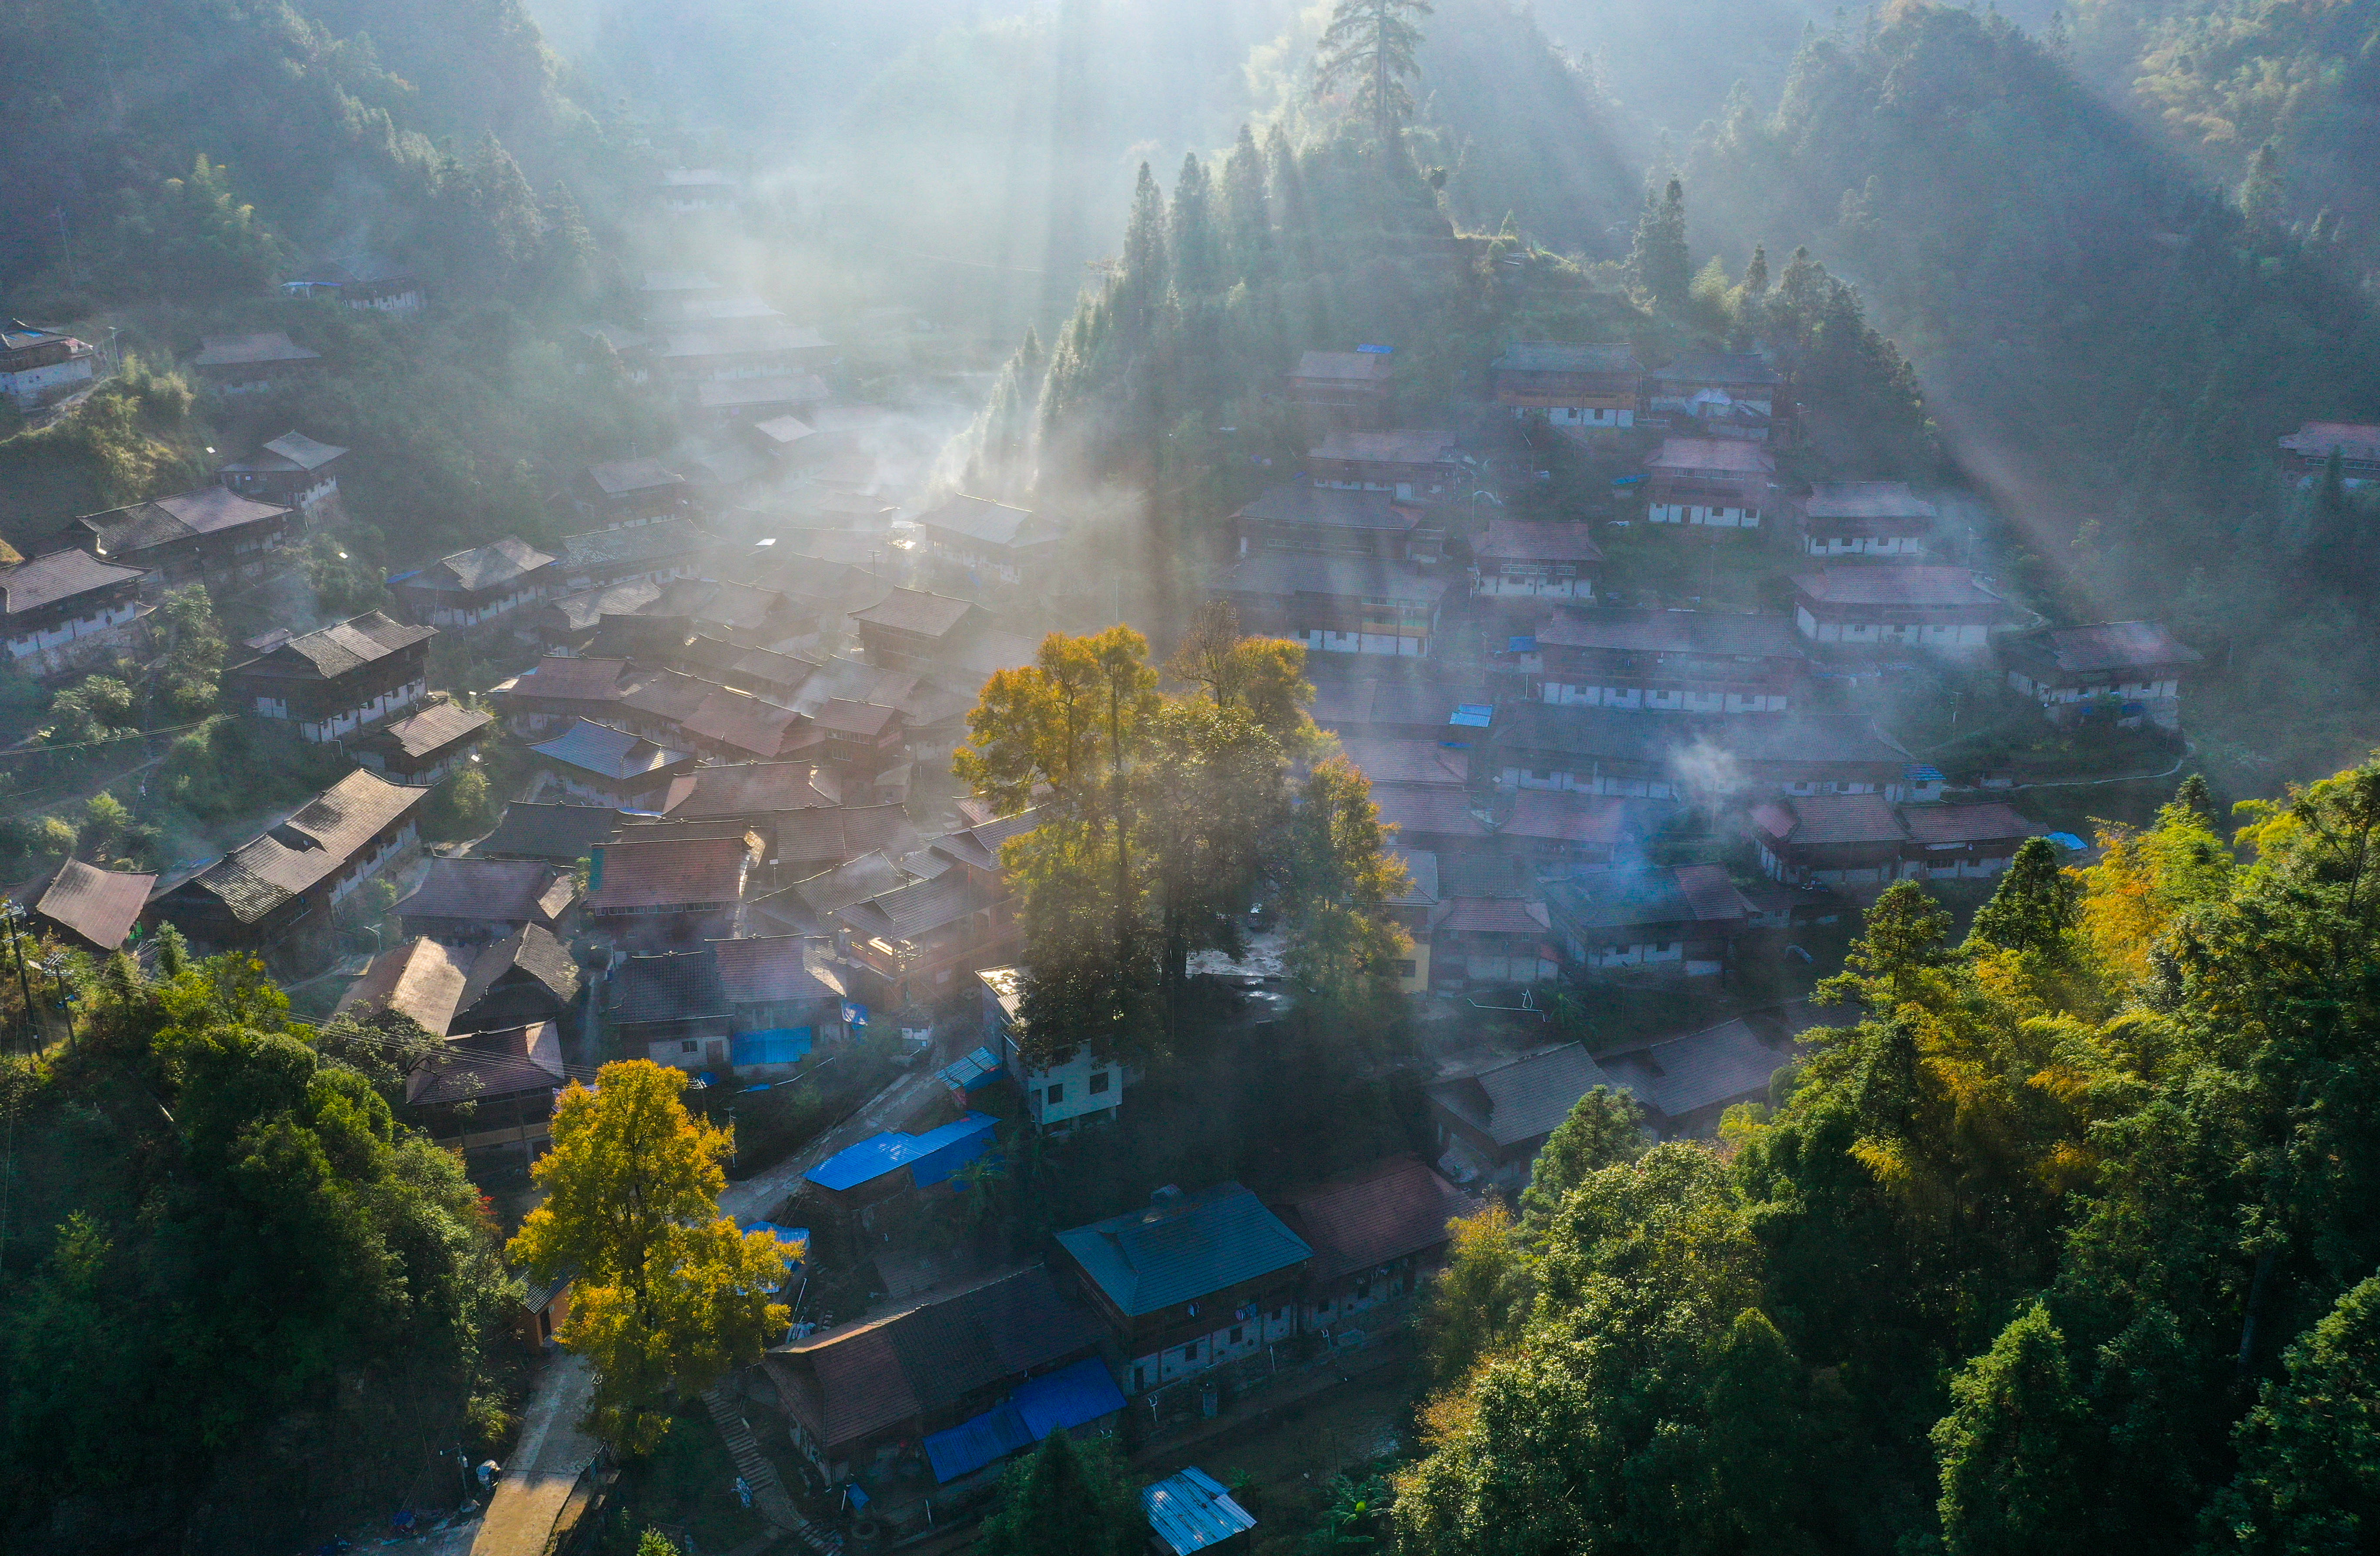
(2037, 905)
(1066, 1498)
(1899, 950)
(1606, 1127)
(1193, 236)
(193, 236)
(2309, 1475)
(1246, 213)
(1370, 48)
(1657, 260)
(2013, 1447)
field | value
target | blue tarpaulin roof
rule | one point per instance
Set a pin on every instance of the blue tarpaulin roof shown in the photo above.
(1473, 715)
(1922, 775)
(2067, 841)
(1061, 1401)
(979, 1068)
(777, 1045)
(936, 1153)
(1191, 1511)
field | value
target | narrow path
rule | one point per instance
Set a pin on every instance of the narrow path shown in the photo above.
(769, 1497)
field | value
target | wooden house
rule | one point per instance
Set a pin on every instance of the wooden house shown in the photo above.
(470, 901)
(60, 609)
(611, 767)
(1537, 559)
(627, 491)
(1680, 921)
(254, 363)
(1863, 839)
(1650, 755)
(2123, 672)
(1410, 464)
(2307, 452)
(96, 909)
(476, 587)
(38, 365)
(1720, 396)
(652, 896)
(1863, 518)
(1491, 1125)
(1696, 662)
(1718, 483)
(989, 539)
(424, 746)
(208, 534)
(1376, 1234)
(1302, 516)
(291, 471)
(1336, 604)
(296, 874)
(330, 683)
(911, 629)
(1348, 387)
(1570, 385)
(1946, 609)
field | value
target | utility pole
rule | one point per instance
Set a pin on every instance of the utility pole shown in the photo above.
(11, 912)
(66, 250)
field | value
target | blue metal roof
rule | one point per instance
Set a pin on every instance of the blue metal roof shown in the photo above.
(1191, 1511)
(1061, 1401)
(1923, 774)
(893, 1150)
(2069, 842)
(1154, 1258)
(975, 1069)
(1473, 715)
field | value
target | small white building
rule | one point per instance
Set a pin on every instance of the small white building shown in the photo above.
(38, 365)
(1081, 1088)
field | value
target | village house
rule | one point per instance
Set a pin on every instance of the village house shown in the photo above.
(40, 365)
(559, 835)
(854, 1181)
(807, 842)
(472, 588)
(1491, 1125)
(335, 681)
(1482, 943)
(367, 282)
(418, 979)
(491, 1090)
(1409, 761)
(1416, 910)
(1336, 604)
(1717, 395)
(209, 533)
(857, 1396)
(1863, 840)
(624, 492)
(1695, 662)
(1681, 755)
(61, 609)
(556, 693)
(655, 552)
(1378, 698)
(1374, 1232)
(611, 767)
(1680, 921)
(1942, 608)
(913, 942)
(470, 901)
(862, 740)
(1194, 1282)
(1686, 1084)
(1863, 518)
(257, 895)
(655, 896)
(754, 1006)
(1554, 832)
(667, 294)
(787, 442)
(739, 402)
(1348, 387)
(719, 350)
(527, 977)
(779, 677)
(1720, 483)
(2124, 671)
(96, 909)
(1549, 559)
(1409, 465)
(728, 725)
(423, 747)
(991, 539)
(911, 629)
(759, 797)
(293, 471)
(1570, 385)
(699, 191)
(2307, 452)
(1303, 516)
(1061, 1095)
(254, 363)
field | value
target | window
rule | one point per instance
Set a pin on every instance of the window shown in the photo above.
(1405, 968)
(688, 1046)
(1239, 1332)
(1057, 1094)
(1190, 1352)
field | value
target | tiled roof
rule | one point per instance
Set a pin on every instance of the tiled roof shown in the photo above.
(61, 574)
(210, 510)
(1553, 816)
(498, 562)
(1616, 734)
(1492, 915)
(2320, 439)
(670, 695)
(633, 543)
(99, 904)
(844, 831)
(1403, 446)
(488, 891)
(1302, 502)
(1421, 871)
(858, 1379)
(1865, 499)
(843, 716)
(290, 451)
(1731, 1062)
(746, 723)
(1409, 761)
(1627, 899)
(1386, 1211)
(674, 986)
(1682, 632)
(260, 346)
(2112, 645)
(776, 389)
(1569, 356)
(486, 1064)
(1830, 818)
(694, 871)
(1966, 823)
(1535, 540)
(1428, 810)
(764, 969)
(784, 431)
(1150, 1260)
(749, 788)
(532, 950)
(980, 518)
(1354, 366)
(906, 912)
(572, 680)
(310, 847)
(1735, 455)
(1524, 1097)
(562, 833)
(433, 729)
(420, 979)
(349, 645)
(1285, 573)
(608, 752)
(1895, 586)
(914, 609)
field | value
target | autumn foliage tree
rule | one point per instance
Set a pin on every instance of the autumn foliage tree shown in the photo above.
(667, 1294)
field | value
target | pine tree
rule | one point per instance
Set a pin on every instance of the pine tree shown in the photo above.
(569, 250)
(1247, 223)
(1291, 209)
(2264, 195)
(2309, 1476)
(2035, 906)
(1191, 237)
(1604, 1127)
(1069, 1499)
(1143, 277)
(1658, 261)
(1370, 45)
(2011, 1448)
